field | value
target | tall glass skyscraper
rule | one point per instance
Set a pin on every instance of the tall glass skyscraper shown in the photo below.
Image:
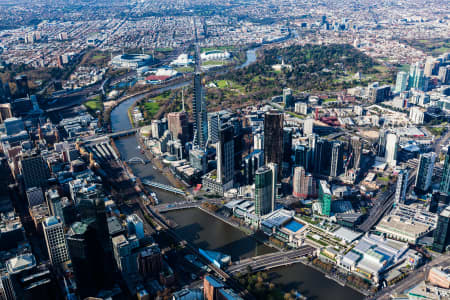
(425, 171)
(199, 113)
(264, 191)
(401, 83)
(445, 181)
(441, 233)
(273, 139)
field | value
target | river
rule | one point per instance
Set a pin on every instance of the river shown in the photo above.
(208, 232)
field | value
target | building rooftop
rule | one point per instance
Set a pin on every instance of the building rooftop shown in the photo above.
(20, 263)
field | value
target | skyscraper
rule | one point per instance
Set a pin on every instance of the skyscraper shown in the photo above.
(264, 191)
(401, 186)
(199, 113)
(303, 184)
(273, 139)
(225, 156)
(391, 149)
(288, 99)
(337, 159)
(441, 236)
(22, 86)
(356, 152)
(401, 83)
(416, 77)
(55, 240)
(445, 180)
(322, 157)
(325, 198)
(34, 170)
(178, 125)
(425, 171)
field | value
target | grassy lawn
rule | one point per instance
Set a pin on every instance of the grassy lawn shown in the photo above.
(385, 179)
(229, 48)
(437, 131)
(152, 108)
(98, 57)
(185, 69)
(295, 115)
(214, 63)
(94, 104)
(329, 100)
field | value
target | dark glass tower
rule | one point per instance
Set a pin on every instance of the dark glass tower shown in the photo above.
(273, 139)
(445, 181)
(199, 113)
(442, 231)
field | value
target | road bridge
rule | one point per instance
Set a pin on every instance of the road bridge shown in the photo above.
(271, 260)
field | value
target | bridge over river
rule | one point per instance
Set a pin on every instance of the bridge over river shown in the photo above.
(271, 260)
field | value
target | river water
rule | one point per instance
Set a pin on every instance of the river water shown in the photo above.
(208, 232)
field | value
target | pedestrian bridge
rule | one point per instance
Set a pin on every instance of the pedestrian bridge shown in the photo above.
(164, 187)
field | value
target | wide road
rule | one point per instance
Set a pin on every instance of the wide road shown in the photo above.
(413, 279)
(268, 260)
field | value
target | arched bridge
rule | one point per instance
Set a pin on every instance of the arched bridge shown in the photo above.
(137, 160)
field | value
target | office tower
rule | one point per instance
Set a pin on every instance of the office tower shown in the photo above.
(126, 258)
(381, 147)
(34, 170)
(35, 196)
(444, 74)
(391, 149)
(252, 162)
(356, 152)
(401, 83)
(304, 184)
(312, 143)
(93, 271)
(27, 280)
(308, 126)
(337, 159)
(323, 157)
(434, 202)
(301, 156)
(199, 113)
(55, 240)
(444, 187)
(225, 156)
(273, 139)
(149, 261)
(21, 86)
(258, 141)
(264, 191)
(5, 112)
(425, 171)
(431, 67)
(275, 182)
(218, 119)
(441, 236)
(301, 108)
(325, 198)
(287, 151)
(14, 126)
(401, 186)
(416, 77)
(135, 226)
(288, 98)
(416, 115)
(54, 203)
(198, 160)
(178, 125)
